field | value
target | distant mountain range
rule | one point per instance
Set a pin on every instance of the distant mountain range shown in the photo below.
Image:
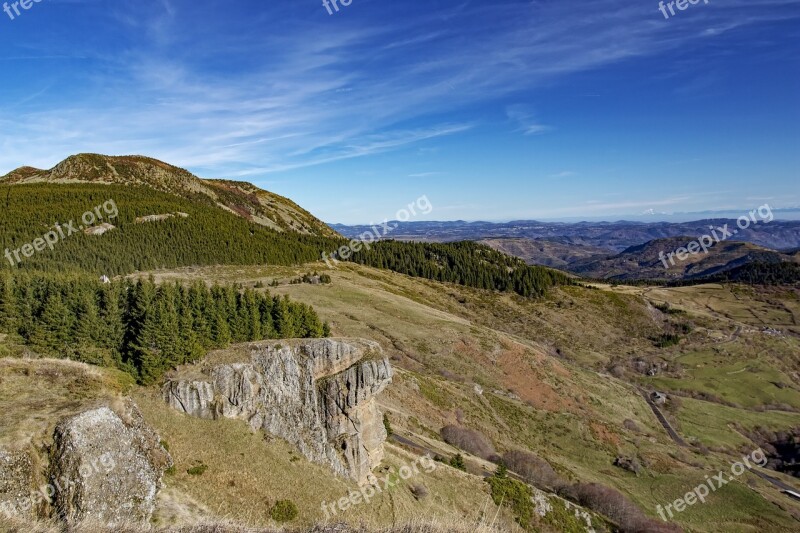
(621, 250)
(611, 236)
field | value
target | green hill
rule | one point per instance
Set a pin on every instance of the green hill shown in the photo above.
(243, 199)
(207, 234)
(651, 260)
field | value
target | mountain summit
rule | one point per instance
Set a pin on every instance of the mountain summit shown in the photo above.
(242, 198)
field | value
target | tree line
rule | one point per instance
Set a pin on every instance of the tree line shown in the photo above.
(465, 263)
(142, 327)
(754, 273)
(208, 236)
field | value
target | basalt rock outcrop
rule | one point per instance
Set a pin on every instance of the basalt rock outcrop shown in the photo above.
(319, 395)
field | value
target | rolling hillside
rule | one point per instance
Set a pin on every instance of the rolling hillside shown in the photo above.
(646, 261)
(560, 377)
(555, 252)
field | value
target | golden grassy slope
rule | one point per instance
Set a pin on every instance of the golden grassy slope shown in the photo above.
(541, 366)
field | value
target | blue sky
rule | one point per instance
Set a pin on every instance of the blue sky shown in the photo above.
(493, 110)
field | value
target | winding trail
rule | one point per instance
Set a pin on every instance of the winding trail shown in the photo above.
(664, 422)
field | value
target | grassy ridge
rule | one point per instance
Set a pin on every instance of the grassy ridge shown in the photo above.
(210, 235)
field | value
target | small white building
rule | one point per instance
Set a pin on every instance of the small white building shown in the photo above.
(659, 398)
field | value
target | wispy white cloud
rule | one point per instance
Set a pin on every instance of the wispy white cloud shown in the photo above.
(424, 174)
(563, 174)
(280, 90)
(526, 120)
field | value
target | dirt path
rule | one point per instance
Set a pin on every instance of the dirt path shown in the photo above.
(664, 422)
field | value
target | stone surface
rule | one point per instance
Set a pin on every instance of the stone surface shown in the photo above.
(318, 395)
(106, 468)
(16, 473)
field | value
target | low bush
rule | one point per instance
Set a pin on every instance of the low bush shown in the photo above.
(534, 470)
(616, 506)
(419, 491)
(457, 461)
(468, 440)
(198, 470)
(283, 511)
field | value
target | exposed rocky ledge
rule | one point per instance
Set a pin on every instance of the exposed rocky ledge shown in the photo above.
(318, 395)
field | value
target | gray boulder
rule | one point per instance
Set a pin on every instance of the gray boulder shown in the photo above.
(106, 470)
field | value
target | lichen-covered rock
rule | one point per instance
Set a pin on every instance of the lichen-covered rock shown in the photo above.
(318, 395)
(16, 473)
(106, 468)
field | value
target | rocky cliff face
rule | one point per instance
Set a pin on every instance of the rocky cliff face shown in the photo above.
(318, 395)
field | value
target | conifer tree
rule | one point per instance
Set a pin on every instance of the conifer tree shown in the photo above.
(8, 304)
(53, 329)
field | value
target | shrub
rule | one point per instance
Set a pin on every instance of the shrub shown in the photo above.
(617, 507)
(668, 310)
(198, 470)
(457, 461)
(618, 371)
(631, 464)
(666, 340)
(630, 425)
(451, 376)
(283, 511)
(468, 440)
(419, 491)
(387, 425)
(533, 469)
